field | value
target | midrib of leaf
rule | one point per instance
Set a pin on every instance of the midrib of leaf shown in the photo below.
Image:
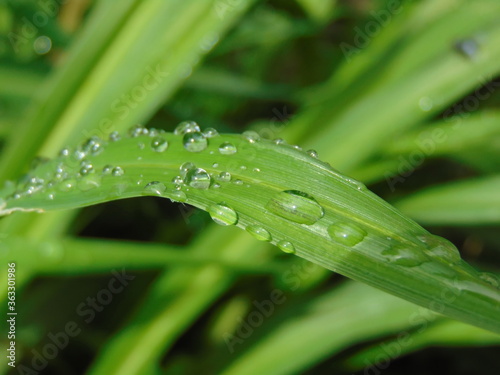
(285, 168)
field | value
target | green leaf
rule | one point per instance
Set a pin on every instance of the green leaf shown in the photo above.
(278, 194)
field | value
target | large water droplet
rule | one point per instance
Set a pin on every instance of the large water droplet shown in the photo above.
(286, 247)
(194, 142)
(159, 144)
(187, 127)
(179, 196)
(440, 248)
(89, 182)
(251, 136)
(405, 255)
(223, 214)
(227, 148)
(185, 168)
(155, 188)
(348, 234)
(210, 133)
(198, 178)
(296, 206)
(259, 233)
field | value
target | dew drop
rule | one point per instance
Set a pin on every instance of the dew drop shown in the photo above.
(238, 182)
(467, 48)
(223, 214)
(117, 172)
(179, 196)
(404, 255)
(279, 141)
(426, 104)
(210, 133)
(312, 153)
(178, 180)
(185, 168)
(491, 279)
(137, 130)
(259, 233)
(198, 178)
(187, 127)
(159, 144)
(89, 182)
(114, 136)
(65, 152)
(251, 136)
(67, 185)
(194, 142)
(439, 248)
(225, 176)
(296, 206)
(286, 247)
(215, 165)
(155, 188)
(348, 234)
(227, 148)
(107, 169)
(256, 170)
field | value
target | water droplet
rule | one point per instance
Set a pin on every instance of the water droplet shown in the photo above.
(79, 154)
(312, 153)
(42, 45)
(223, 214)
(296, 206)
(467, 48)
(225, 176)
(256, 170)
(259, 233)
(107, 169)
(89, 182)
(243, 167)
(64, 152)
(216, 186)
(426, 104)
(86, 169)
(117, 172)
(440, 248)
(404, 255)
(185, 168)
(159, 144)
(114, 136)
(297, 147)
(348, 234)
(67, 185)
(179, 196)
(198, 178)
(215, 165)
(178, 180)
(187, 127)
(50, 196)
(227, 148)
(194, 142)
(251, 136)
(286, 247)
(155, 188)
(210, 133)
(279, 141)
(238, 182)
(357, 184)
(137, 130)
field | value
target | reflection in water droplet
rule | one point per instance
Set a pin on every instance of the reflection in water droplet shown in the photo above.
(349, 234)
(198, 178)
(286, 247)
(155, 188)
(187, 127)
(440, 248)
(227, 148)
(117, 172)
(159, 144)
(179, 196)
(223, 214)
(194, 142)
(296, 206)
(405, 255)
(259, 233)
